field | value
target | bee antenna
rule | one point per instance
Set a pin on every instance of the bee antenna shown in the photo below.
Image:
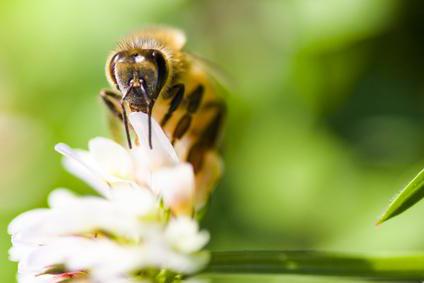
(150, 124)
(125, 118)
(143, 91)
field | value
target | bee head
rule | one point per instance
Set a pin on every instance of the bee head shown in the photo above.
(139, 74)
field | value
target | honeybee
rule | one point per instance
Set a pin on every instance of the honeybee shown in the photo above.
(150, 72)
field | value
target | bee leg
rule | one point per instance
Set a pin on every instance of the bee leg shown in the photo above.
(209, 138)
(112, 100)
(193, 102)
(177, 94)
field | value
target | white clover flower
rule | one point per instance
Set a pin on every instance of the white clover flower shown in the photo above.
(139, 228)
(107, 166)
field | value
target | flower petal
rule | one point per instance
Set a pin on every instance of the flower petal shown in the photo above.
(81, 216)
(80, 164)
(157, 253)
(138, 201)
(61, 198)
(112, 158)
(27, 219)
(37, 278)
(183, 234)
(176, 186)
(162, 152)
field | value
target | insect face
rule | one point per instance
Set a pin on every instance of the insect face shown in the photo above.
(139, 75)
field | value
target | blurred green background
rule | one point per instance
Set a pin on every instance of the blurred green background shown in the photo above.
(326, 114)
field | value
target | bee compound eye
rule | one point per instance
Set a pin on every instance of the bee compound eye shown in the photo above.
(121, 57)
(116, 57)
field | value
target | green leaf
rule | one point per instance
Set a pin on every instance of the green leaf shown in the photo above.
(396, 267)
(410, 195)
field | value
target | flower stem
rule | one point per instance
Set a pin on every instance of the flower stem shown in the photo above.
(387, 267)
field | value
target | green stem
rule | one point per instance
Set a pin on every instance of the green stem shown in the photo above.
(393, 267)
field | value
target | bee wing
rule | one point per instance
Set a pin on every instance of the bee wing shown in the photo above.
(223, 81)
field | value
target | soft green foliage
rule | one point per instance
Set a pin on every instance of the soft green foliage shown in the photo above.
(410, 195)
(325, 118)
